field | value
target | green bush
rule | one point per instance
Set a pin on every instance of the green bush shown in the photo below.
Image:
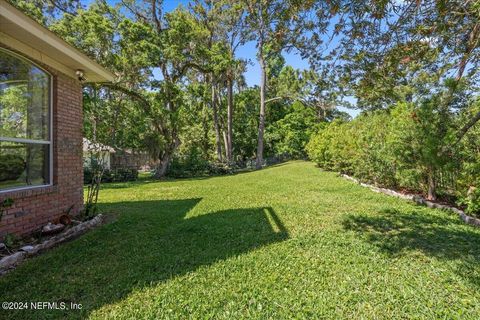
(468, 180)
(116, 175)
(180, 169)
(190, 163)
(290, 134)
(123, 175)
(11, 167)
(472, 201)
(409, 147)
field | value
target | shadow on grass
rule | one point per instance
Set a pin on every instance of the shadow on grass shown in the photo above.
(151, 179)
(124, 185)
(153, 242)
(397, 232)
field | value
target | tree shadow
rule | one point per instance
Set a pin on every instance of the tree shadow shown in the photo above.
(148, 180)
(237, 172)
(397, 233)
(127, 184)
(154, 242)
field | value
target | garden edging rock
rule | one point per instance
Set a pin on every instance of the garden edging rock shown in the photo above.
(10, 262)
(418, 199)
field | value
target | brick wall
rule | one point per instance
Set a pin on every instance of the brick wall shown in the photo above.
(35, 207)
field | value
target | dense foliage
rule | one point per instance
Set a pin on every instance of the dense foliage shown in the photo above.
(180, 92)
(114, 175)
(413, 68)
(407, 147)
(410, 67)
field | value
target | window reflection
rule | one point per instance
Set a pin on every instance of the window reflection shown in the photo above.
(24, 123)
(24, 99)
(23, 164)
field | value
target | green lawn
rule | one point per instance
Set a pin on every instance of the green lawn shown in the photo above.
(288, 241)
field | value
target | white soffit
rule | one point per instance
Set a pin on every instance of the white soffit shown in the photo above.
(25, 35)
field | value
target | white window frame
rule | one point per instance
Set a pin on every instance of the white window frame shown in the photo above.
(30, 141)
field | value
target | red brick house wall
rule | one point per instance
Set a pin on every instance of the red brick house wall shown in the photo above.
(35, 207)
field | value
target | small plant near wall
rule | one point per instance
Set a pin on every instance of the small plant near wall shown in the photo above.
(97, 167)
(11, 241)
(4, 205)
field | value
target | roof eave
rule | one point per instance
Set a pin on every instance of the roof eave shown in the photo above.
(19, 26)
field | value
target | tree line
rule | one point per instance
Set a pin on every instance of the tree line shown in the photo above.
(411, 68)
(179, 69)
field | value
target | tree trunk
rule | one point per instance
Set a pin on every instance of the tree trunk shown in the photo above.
(206, 131)
(216, 125)
(261, 122)
(229, 118)
(162, 166)
(471, 122)
(161, 169)
(432, 186)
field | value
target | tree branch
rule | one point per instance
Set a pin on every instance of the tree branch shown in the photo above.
(155, 16)
(305, 102)
(463, 131)
(139, 97)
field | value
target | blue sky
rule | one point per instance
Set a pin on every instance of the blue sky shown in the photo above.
(248, 52)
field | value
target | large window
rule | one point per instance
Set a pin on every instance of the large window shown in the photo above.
(25, 123)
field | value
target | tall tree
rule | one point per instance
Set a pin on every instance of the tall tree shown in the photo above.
(391, 43)
(224, 21)
(171, 43)
(280, 26)
(47, 11)
(415, 52)
(234, 34)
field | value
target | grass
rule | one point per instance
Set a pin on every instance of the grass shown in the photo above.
(289, 241)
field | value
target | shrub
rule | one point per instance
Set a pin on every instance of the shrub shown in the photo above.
(124, 175)
(179, 169)
(472, 201)
(4, 205)
(116, 175)
(408, 147)
(290, 134)
(326, 149)
(191, 162)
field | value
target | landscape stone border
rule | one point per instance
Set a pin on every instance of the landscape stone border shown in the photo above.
(418, 199)
(12, 261)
